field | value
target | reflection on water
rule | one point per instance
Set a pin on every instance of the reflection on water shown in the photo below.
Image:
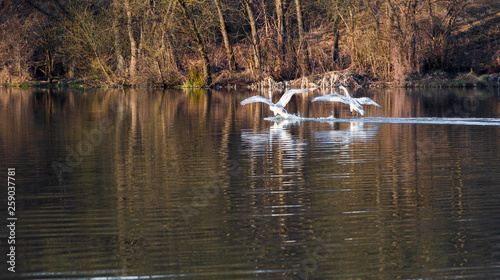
(343, 137)
(166, 184)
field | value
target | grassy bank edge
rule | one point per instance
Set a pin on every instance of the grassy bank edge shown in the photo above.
(436, 79)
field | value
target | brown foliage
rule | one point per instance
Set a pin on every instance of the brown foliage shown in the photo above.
(15, 50)
(141, 42)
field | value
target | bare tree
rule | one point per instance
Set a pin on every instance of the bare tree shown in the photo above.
(197, 39)
(302, 53)
(133, 43)
(280, 30)
(280, 22)
(227, 44)
(120, 63)
(255, 38)
(144, 41)
(441, 28)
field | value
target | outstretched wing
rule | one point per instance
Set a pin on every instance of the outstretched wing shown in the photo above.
(288, 95)
(257, 98)
(367, 101)
(333, 98)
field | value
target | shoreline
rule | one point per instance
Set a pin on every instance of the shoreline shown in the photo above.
(318, 81)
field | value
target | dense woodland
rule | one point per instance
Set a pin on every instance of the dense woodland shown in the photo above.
(204, 42)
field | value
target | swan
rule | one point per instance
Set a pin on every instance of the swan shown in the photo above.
(354, 103)
(279, 107)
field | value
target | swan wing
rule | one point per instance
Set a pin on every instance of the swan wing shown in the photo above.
(288, 95)
(333, 98)
(367, 101)
(256, 98)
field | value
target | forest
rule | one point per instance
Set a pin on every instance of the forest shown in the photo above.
(208, 42)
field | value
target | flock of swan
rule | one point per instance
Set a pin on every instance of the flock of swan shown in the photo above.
(279, 107)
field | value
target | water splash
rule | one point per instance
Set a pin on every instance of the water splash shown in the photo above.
(380, 120)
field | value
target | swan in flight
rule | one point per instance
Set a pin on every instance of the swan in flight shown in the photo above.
(354, 103)
(279, 107)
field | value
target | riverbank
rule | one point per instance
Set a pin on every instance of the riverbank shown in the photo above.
(437, 79)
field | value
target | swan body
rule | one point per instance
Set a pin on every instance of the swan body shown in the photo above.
(279, 107)
(354, 103)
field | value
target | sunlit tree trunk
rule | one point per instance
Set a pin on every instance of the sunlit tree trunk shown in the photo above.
(255, 38)
(133, 44)
(227, 44)
(280, 28)
(120, 64)
(279, 21)
(266, 20)
(302, 49)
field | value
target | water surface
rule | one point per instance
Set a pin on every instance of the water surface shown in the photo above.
(134, 184)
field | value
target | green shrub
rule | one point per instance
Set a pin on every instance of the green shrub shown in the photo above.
(196, 78)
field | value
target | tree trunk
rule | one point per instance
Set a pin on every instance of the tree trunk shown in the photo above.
(202, 51)
(50, 63)
(266, 20)
(336, 46)
(120, 65)
(133, 44)
(280, 25)
(227, 44)
(414, 64)
(279, 21)
(302, 53)
(255, 38)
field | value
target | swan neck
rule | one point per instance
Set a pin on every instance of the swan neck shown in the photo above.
(346, 92)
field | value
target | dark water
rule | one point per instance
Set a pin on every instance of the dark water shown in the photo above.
(115, 184)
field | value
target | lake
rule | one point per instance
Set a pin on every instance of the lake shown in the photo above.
(154, 184)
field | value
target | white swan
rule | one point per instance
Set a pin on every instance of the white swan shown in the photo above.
(354, 103)
(279, 107)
